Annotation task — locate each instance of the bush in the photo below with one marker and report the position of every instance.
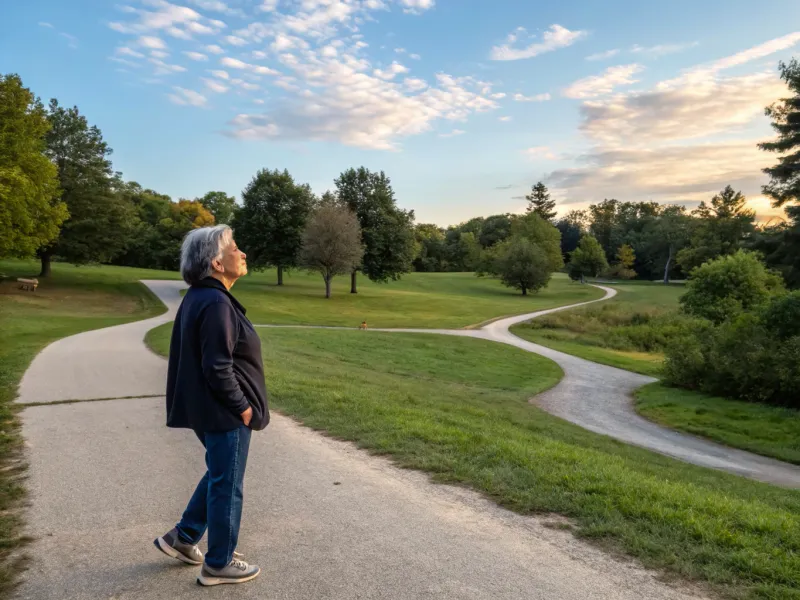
(754, 357)
(723, 288)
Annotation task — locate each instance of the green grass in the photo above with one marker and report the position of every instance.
(760, 428)
(442, 300)
(73, 300)
(627, 332)
(458, 409)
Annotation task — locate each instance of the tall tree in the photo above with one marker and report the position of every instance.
(718, 229)
(331, 242)
(31, 210)
(220, 205)
(542, 233)
(495, 229)
(572, 227)
(100, 222)
(540, 203)
(386, 230)
(784, 184)
(605, 226)
(668, 234)
(588, 259)
(270, 223)
(431, 254)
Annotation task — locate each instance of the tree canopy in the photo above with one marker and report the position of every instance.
(539, 202)
(220, 205)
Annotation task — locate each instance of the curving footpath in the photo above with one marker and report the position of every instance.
(322, 518)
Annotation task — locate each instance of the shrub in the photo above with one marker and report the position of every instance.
(723, 288)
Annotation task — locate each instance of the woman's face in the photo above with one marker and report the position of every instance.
(233, 263)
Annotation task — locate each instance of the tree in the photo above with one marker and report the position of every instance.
(623, 268)
(495, 229)
(718, 229)
(100, 224)
(220, 205)
(784, 184)
(539, 202)
(605, 227)
(542, 233)
(431, 248)
(666, 235)
(386, 230)
(331, 242)
(588, 259)
(572, 227)
(272, 218)
(521, 264)
(727, 286)
(31, 210)
(464, 253)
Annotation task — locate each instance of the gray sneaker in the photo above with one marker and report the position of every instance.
(236, 571)
(171, 545)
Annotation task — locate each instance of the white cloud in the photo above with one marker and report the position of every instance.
(754, 53)
(124, 61)
(177, 21)
(46, 24)
(196, 56)
(603, 55)
(538, 152)
(453, 133)
(212, 5)
(163, 68)
(499, 95)
(680, 110)
(258, 101)
(215, 86)
(245, 85)
(504, 119)
(329, 51)
(159, 54)
(400, 50)
(235, 40)
(235, 63)
(414, 56)
(662, 49)
(179, 33)
(269, 5)
(214, 49)
(598, 85)
(125, 51)
(415, 84)
(393, 71)
(555, 37)
(417, 6)
(536, 98)
(220, 74)
(150, 41)
(187, 97)
(258, 54)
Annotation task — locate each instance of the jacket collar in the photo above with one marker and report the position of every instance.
(211, 282)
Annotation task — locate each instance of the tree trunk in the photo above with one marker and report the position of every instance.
(353, 289)
(524, 291)
(327, 287)
(666, 268)
(280, 275)
(583, 279)
(45, 256)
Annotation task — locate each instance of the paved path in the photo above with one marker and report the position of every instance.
(107, 477)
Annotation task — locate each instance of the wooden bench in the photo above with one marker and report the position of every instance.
(28, 284)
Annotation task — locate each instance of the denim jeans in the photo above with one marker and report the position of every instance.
(217, 502)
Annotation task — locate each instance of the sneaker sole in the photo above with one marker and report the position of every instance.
(170, 551)
(209, 581)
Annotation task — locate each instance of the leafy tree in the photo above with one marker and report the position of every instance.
(386, 230)
(588, 259)
(431, 255)
(31, 210)
(520, 264)
(542, 233)
(623, 268)
(605, 227)
(572, 227)
(495, 229)
(272, 218)
(728, 286)
(220, 205)
(331, 242)
(100, 224)
(539, 202)
(718, 229)
(665, 236)
(464, 254)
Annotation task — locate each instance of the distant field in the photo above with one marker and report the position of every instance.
(442, 300)
(607, 332)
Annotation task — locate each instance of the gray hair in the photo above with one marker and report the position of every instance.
(200, 247)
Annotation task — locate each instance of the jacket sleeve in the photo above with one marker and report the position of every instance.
(218, 334)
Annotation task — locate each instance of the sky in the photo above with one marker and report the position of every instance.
(465, 104)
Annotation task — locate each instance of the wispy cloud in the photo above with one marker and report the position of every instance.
(662, 49)
(552, 39)
(453, 133)
(598, 85)
(603, 55)
(46, 24)
(187, 97)
(505, 119)
(539, 152)
(536, 98)
(196, 55)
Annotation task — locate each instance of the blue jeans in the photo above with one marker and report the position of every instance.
(217, 502)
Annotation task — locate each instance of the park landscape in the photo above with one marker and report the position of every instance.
(586, 403)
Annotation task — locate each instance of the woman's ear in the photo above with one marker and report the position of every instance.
(216, 264)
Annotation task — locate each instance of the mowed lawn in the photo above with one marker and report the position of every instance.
(458, 408)
(71, 301)
(427, 300)
(588, 331)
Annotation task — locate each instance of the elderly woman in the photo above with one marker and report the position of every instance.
(215, 386)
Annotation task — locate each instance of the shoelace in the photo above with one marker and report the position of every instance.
(239, 564)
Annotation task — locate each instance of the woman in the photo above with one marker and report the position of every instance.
(215, 386)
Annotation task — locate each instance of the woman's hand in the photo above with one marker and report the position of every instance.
(247, 415)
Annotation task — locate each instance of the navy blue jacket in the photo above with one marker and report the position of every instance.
(215, 369)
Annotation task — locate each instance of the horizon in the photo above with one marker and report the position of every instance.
(620, 101)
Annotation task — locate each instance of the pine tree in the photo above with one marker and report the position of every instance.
(539, 202)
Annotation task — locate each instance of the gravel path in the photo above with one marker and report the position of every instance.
(324, 519)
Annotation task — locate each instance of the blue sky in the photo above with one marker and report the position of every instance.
(464, 103)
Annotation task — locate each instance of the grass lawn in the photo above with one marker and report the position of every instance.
(602, 332)
(71, 301)
(457, 408)
(760, 428)
(445, 300)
